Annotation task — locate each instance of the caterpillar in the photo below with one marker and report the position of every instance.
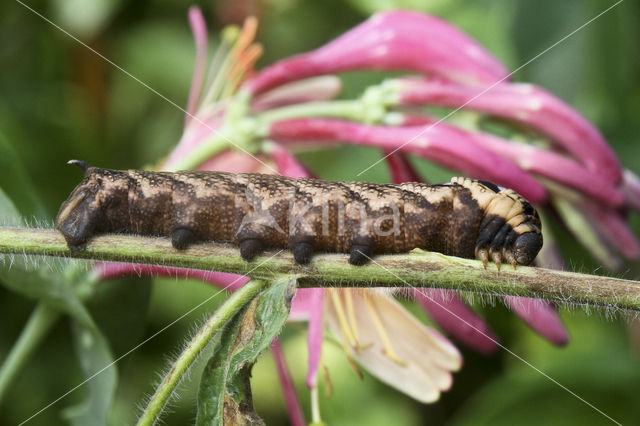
(466, 218)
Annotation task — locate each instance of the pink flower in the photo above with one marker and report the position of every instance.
(526, 104)
(396, 40)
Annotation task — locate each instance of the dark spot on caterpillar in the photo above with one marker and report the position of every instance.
(465, 217)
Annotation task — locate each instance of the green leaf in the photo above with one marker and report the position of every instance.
(15, 181)
(225, 390)
(120, 308)
(96, 362)
(9, 215)
(36, 279)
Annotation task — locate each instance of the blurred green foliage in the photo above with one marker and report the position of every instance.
(59, 100)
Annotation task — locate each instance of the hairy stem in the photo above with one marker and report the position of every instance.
(330, 270)
(42, 319)
(229, 308)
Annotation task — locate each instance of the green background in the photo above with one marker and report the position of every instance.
(58, 101)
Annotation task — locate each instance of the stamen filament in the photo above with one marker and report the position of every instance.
(328, 390)
(388, 348)
(247, 35)
(351, 315)
(219, 66)
(239, 69)
(344, 325)
(348, 341)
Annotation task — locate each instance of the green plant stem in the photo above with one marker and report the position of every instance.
(42, 319)
(229, 308)
(217, 143)
(330, 270)
(347, 109)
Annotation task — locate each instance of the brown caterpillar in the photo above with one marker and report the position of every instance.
(465, 218)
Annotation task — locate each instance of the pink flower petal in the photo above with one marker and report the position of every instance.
(199, 129)
(541, 317)
(296, 418)
(400, 168)
(457, 319)
(394, 40)
(301, 304)
(321, 88)
(286, 163)
(527, 104)
(574, 217)
(234, 161)
(550, 256)
(613, 228)
(555, 167)
(316, 332)
(631, 189)
(199, 29)
(443, 144)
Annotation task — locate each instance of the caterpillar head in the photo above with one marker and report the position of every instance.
(526, 247)
(83, 213)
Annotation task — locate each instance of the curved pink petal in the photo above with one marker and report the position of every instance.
(555, 167)
(443, 144)
(613, 228)
(457, 319)
(200, 128)
(631, 189)
(541, 317)
(296, 418)
(199, 30)
(394, 40)
(550, 256)
(527, 104)
(321, 88)
(315, 334)
(286, 163)
(234, 161)
(400, 168)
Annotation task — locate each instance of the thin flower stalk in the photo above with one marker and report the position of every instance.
(296, 418)
(199, 30)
